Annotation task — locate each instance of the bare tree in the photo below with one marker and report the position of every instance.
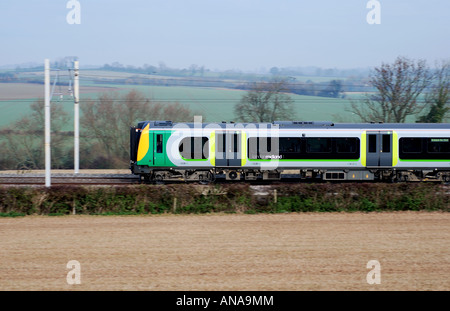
(23, 143)
(107, 120)
(265, 102)
(438, 99)
(398, 87)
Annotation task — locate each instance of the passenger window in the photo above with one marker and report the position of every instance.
(411, 145)
(260, 147)
(264, 144)
(290, 144)
(220, 143)
(372, 143)
(386, 147)
(253, 147)
(159, 143)
(438, 145)
(318, 145)
(346, 145)
(194, 148)
(235, 143)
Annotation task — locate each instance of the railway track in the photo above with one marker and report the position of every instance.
(117, 180)
(72, 179)
(21, 180)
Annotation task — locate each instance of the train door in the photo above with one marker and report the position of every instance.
(159, 146)
(228, 148)
(379, 149)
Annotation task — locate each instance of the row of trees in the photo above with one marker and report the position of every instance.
(161, 69)
(402, 89)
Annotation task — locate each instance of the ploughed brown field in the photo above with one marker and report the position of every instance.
(293, 252)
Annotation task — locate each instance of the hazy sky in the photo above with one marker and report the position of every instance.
(225, 34)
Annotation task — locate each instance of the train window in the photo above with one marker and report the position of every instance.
(290, 144)
(220, 143)
(298, 148)
(235, 143)
(372, 143)
(318, 145)
(194, 148)
(438, 145)
(261, 147)
(386, 143)
(411, 145)
(346, 145)
(159, 143)
(252, 148)
(264, 144)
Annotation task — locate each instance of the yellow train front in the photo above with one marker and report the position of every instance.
(203, 152)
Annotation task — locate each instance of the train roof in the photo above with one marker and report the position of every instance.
(301, 125)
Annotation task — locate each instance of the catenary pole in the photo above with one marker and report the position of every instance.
(76, 88)
(47, 123)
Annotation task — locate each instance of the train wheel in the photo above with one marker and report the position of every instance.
(159, 179)
(146, 178)
(233, 175)
(206, 178)
(395, 179)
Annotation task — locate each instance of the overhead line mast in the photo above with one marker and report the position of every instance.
(47, 123)
(76, 87)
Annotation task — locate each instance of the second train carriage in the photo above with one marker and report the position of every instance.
(163, 150)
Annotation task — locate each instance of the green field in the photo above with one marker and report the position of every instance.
(214, 104)
(16, 98)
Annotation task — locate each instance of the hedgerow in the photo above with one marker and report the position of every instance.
(227, 198)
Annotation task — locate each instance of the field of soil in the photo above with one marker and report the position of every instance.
(273, 252)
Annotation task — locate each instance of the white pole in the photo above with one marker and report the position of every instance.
(47, 124)
(76, 87)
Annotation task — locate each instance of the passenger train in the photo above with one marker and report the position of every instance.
(325, 151)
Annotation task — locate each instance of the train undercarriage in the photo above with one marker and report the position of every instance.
(226, 174)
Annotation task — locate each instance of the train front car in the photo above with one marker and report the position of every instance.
(166, 151)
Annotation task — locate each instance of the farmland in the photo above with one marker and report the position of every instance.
(15, 99)
(272, 252)
(215, 104)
